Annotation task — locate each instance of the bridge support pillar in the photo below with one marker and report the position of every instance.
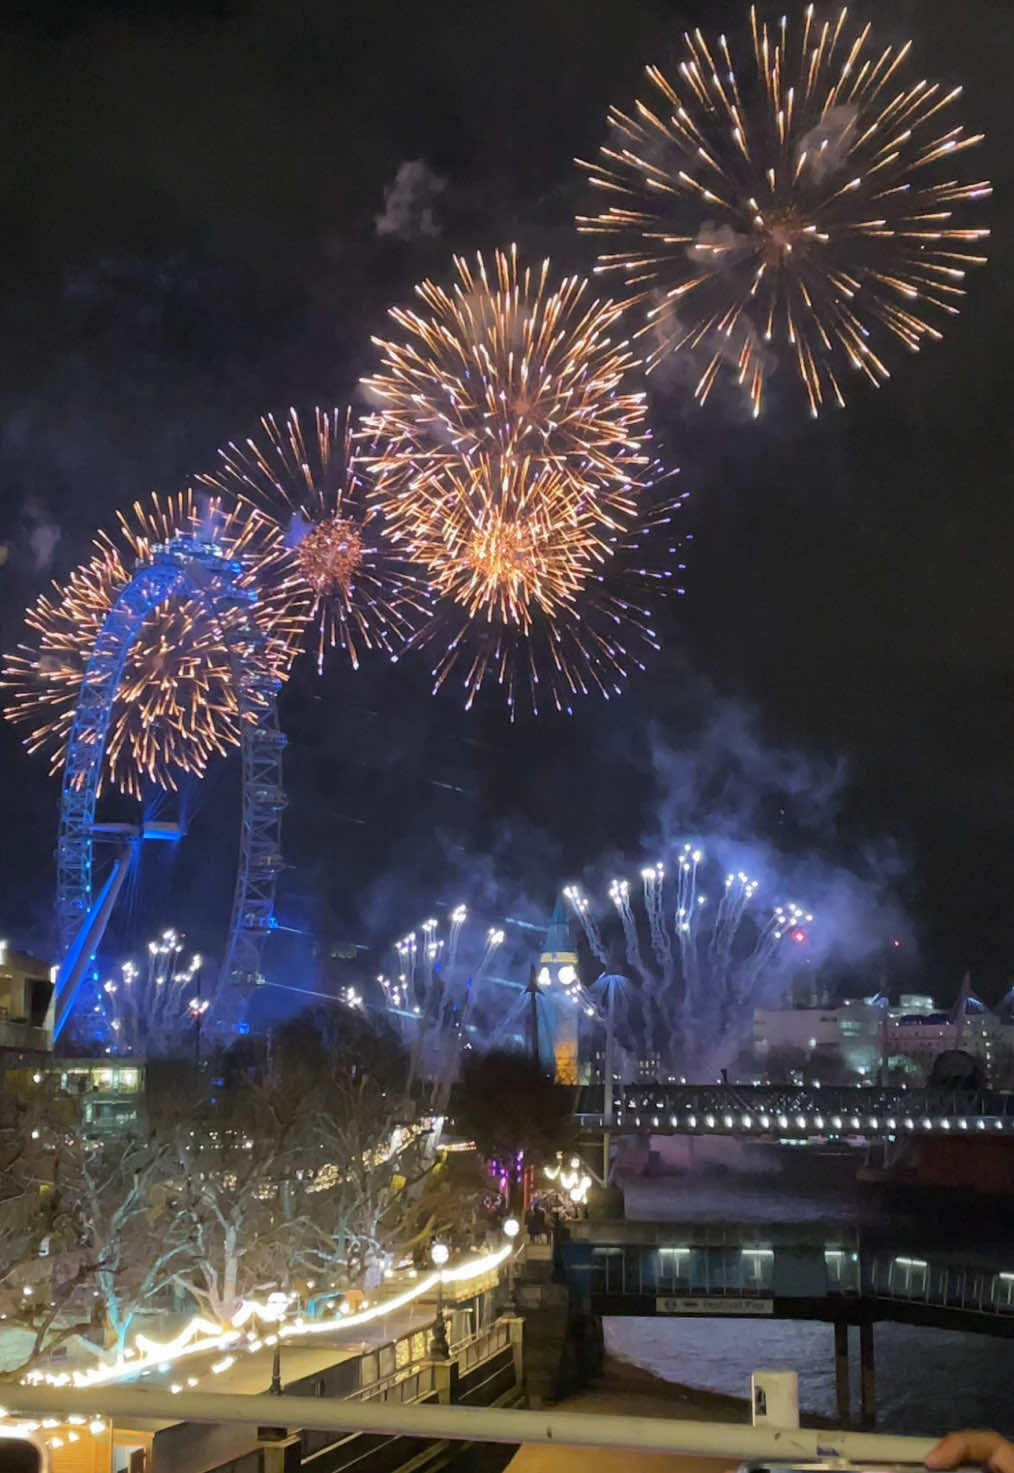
(445, 1380)
(517, 1332)
(841, 1372)
(868, 1385)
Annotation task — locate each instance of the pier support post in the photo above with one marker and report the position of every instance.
(517, 1333)
(868, 1385)
(841, 1372)
(445, 1380)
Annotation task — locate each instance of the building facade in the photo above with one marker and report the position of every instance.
(869, 1039)
(26, 1002)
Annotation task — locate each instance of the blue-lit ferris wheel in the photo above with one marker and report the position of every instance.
(185, 567)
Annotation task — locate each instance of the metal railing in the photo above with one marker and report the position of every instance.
(941, 1285)
(436, 1421)
(734, 1269)
(783, 1111)
(402, 1386)
(484, 1346)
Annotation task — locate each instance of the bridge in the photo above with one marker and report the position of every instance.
(785, 1112)
(807, 1271)
(785, 1271)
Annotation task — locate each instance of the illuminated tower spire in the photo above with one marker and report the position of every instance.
(558, 979)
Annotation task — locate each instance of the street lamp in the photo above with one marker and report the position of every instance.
(511, 1229)
(439, 1348)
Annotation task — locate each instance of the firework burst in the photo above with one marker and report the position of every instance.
(177, 703)
(310, 485)
(710, 955)
(512, 461)
(807, 203)
(149, 1010)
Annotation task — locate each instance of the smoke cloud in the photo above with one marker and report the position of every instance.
(41, 534)
(826, 146)
(409, 211)
(806, 901)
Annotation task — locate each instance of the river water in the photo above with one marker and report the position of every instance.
(928, 1381)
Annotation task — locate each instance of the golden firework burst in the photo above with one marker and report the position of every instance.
(311, 486)
(512, 461)
(177, 704)
(806, 204)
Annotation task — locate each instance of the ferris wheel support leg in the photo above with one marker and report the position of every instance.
(89, 937)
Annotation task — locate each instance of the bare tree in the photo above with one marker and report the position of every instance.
(126, 1210)
(361, 1153)
(236, 1154)
(46, 1271)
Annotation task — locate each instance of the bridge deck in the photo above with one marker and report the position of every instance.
(790, 1112)
(788, 1270)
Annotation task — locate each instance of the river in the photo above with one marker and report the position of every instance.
(928, 1381)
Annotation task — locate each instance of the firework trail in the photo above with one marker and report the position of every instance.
(310, 485)
(178, 703)
(579, 904)
(433, 943)
(807, 204)
(406, 950)
(458, 918)
(715, 963)
(619, 894)
(652, 879)
(513, 466)
(494, 940)
(150, 1010)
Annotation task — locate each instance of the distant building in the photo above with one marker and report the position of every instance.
(110, 1092)
(26, 997)
(851, 1033)
(921, 1034)
(869, 1037)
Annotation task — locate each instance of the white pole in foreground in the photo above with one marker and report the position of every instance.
(733, 1443)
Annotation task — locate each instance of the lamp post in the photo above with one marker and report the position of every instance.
(511, 1229)
(197, 1007)
(439, 1348)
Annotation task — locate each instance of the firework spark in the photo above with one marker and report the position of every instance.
(805, 204)
(311, 486)
(512, 462)
(150, 1010)
(711, 961)
(177, 703)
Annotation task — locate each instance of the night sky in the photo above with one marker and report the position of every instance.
(191, 198)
